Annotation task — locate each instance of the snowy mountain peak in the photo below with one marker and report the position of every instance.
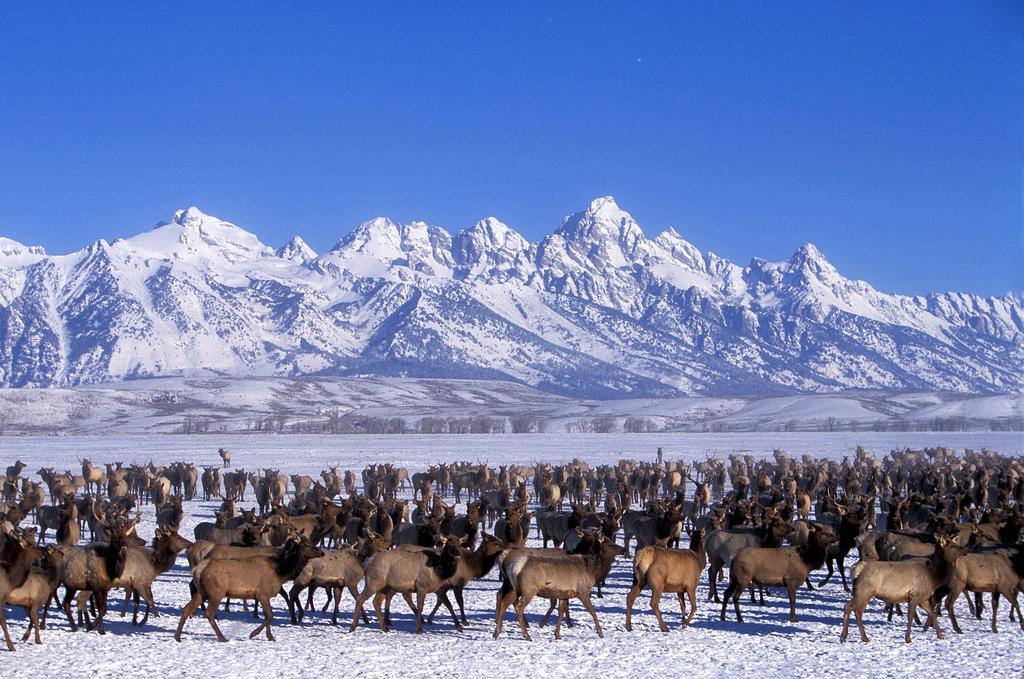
(296, 250)
(604, 233)
(191, 216)
(13, 253)
(809, 259)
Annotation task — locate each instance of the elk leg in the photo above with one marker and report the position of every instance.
(520, 606)
(911, 610)
(360, 600)
(437, 605)
(420, 596)
(552, 604)
(828, 562)
(268, 615)
(147, 593)
(7, 633)
(630, 600)
(692, 593)
(792, 602)
(336, 592)
(69, 594)
(725, 599)
(127, 598)
(995, 607)
(101, 609)
(842, 573)
(297, 611)
(954, 594)
(506, 596)
(448, 604)
(187, 612)
(33, 614)
(378, 600)
(933, 616)
(1014, 607)
(462, 605)
(563, 606)
(656, 607)
(211, 616)
(585, 598)
(846, 621)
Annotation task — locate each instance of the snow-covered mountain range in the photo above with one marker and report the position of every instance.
(596, 309)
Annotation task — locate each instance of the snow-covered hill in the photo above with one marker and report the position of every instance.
(596, 309)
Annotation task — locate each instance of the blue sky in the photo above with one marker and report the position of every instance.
(889, 134)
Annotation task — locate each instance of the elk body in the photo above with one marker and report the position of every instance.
(984, 573)
(787, 566)
(723, 545)
(664, 570)
(912, 582)
(254, 577)
(37, 589)
(554, 577)
(94, 568)
(405, 571)
(17, 554)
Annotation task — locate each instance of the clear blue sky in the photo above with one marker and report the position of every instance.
(889, 134)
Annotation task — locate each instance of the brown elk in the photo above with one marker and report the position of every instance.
(254, 577)
(17, 554)
(675, 571)
(94, 568)
(405, 571)
(473, 565)
(788, 566)
(984, 572)
(225, 456)
(555, 577)
(913, 582)
(37, 589)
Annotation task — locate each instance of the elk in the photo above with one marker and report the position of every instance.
(225, 456)
(722, 546)
(336, 569)
(787, 566)
(526, 576)
(17, 553)
(141, 569)
(422, 571)
(211, 483)
(171, 514)
(913, 582)
(676, 571)
(94, 477)
(554, 525)
(37, 589)
(94, 568)
(514, 528)
(254, 577)
(658, 529)
(984, 572)
(473, 565)
(850, 526)
(14, 471)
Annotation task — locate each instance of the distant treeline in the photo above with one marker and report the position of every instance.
(337, 422)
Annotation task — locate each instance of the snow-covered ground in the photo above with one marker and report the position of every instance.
(765, 644)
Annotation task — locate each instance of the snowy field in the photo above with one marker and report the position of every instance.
(765, 643)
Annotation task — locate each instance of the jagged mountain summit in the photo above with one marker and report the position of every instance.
(595, 309)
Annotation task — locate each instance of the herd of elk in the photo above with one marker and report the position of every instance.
(928, 526)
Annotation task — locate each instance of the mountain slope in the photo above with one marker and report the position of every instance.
(594, 309)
